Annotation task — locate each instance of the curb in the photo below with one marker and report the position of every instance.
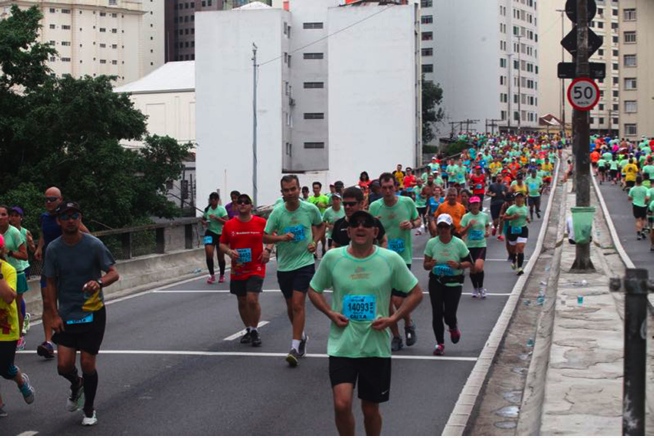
(458, 420)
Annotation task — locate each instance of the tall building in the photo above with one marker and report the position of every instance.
(338, 92)
(101, 37)
(484, 54)
(180, 24)
(636, 35)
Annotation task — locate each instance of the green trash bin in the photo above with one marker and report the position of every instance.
(582, 223)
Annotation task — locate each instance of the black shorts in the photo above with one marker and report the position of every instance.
(514, 236)
(614, 173)
(495, 210)
(399, 293)
(534, 200)
(601, 169)
(298, 280)
(84, 337)
(211, 238)
(630, 183)
(593, 164)
(241, 287)
(639, 212)
(372, 373)
(422, 211)
(478, 253)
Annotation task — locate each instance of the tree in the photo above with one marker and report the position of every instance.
(432, 96)
(65, 132)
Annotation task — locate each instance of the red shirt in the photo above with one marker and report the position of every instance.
(478, 184)
(409, 181)
(247, 239)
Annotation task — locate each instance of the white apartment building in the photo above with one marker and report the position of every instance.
(124, 38)
(636, 33)
(338, 92)
(484, 54)
(553, 26)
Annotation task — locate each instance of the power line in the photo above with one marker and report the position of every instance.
(331, 34)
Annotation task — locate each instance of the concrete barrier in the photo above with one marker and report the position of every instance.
(136, 275)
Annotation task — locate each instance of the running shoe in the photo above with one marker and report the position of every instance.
(211, 279)
(513, 266)
(20, 346)
(494, 230)
(221, 279)
(76, 398)
(439, 350)
(638, 236)
(26, 323)
(538, 214)
(475, 292)
(455, 335)
(483, 292)
(247, 337)
(3, 413)
(90, 421)
(46, 350)
(520, 271)
(410, 333)
(256, 339)
(396, 343)
(500, 238)
(302, 349)
(292, 358)
(27, 390)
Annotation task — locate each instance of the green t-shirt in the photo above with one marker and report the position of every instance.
(601, 163)
(399, 240)
(452, 170)
(533, 186)
(23, 232)
(608, 156)
(476, 235)
(461, 175)
(623, 164)
(294, 254)
(321, 201)
(420, 201)
(362, 292)
(213, 225)
(330, 216)
(13, 240)
(649, 170)
(522, 213)
(614, 165)
(638, 195)
(650, 209)
(455, 250)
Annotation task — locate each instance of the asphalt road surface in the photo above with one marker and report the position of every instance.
(171, 364)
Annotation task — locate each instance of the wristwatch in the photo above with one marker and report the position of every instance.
(100, 283)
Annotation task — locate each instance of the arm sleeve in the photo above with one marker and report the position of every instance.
(271, 224)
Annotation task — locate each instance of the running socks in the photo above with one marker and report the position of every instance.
(210, 265)
(90, 388)
(521, 259)
(71, 376)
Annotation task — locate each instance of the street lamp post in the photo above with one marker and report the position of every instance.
(562, 11)
(519, 85)
(508, 128)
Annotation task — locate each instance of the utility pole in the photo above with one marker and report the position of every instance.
(254, 124)
(519, 84)
(508, 128)
(582, 137)
(563, 130)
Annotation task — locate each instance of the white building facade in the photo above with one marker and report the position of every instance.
(122, 38)
(484, 54)
(338, 92)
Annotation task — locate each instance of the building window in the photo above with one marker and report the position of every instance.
(113, 2)
(427, 36)
(103, 45)
(630, 129)
(314, 85)
(65, 27)
(102, 29)
(630, 106)
(103, 14)
(65, 59)
(427, 68)
(65, 43)
(630, 37)
(427, 51)
(114, 62)
(114, 30)
(503, 62)
(103, 61)
(630, 84)
(314, 116)
(52, 26)
(426, 3)
(53, 10)
(312, 25)
(427, 19)
(630, 60)
(314, 145)
(629, 15)
(65, 11)
(314, 55)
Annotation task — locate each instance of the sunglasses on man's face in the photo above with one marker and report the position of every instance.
(51, 198)
(66, 216)
(362, 223)
(350, 203)
(243, 202)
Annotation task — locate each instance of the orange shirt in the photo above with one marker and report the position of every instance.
(594, 157)
(456, 211)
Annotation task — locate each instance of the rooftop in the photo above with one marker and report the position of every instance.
(172, 76)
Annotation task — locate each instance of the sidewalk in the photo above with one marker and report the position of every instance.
(583, 381)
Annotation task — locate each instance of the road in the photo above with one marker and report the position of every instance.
(171, 364)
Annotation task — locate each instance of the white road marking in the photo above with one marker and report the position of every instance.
(199, 291)
(242, 332)
(28, 433)
(487, 260)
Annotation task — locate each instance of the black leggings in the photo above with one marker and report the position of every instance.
(444, 304)
(7, 354)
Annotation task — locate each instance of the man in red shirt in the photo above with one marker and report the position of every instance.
(242, 240)
(478, 183)
(409, 179)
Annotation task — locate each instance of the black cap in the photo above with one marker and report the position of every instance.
(516, 194)
(66, 206)
(244, 196)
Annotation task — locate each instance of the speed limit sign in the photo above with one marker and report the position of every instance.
(583, 94)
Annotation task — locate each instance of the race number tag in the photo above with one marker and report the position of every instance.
(208, 240)
(443, 270)
(360, 307)
(244, 255)
(475, 235)
(84, 320)
(478, 186)
(516, 230)
(396, 245)
(298, 232)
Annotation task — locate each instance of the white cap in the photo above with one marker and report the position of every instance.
(444, 218)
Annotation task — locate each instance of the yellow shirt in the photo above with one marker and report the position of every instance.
(547, 167)
(630, 172)
(8, 312)
(495, 167)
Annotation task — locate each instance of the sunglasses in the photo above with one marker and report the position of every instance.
(51, 198)
(243, 202)
(66, 216)
(362, 223)
(350, 203)
(442, 226)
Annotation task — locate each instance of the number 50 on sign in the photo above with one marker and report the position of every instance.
(583, 94)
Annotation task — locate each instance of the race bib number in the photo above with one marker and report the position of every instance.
(360, 307)
(396, 245)
(208, 240)
(84, 320)
(475, 235)
(533, 187)
(298, 232)
(244, 255)
(443, 270)
(478, 186)
(516, 230)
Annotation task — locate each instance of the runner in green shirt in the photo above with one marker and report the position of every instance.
(214, 218)
(361, 276)
(602, 165)
(650, 222)
(518, 218)
(475, 228)
(322, 202)
(421, 203)
(295, 227)
(331, 215)
(534, 186)
(639, 196)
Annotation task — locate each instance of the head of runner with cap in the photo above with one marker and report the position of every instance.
(444, 227)
(475, 204)
(362, 230)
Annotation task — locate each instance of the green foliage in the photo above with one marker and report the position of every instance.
(456, 148)
(30, 198)
(65, 132)
(432, 96)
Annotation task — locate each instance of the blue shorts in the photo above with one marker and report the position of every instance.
(21, 283)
